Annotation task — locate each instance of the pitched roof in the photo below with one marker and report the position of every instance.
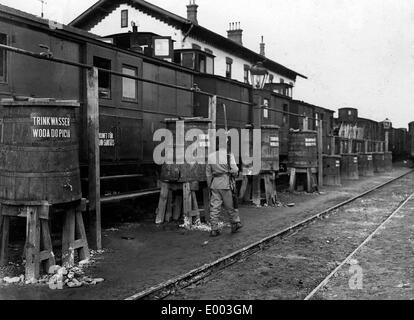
(95, 14)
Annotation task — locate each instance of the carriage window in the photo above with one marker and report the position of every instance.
(187, 60)
(3, 59)
(124, 19)
(104, 78)
(129, 86)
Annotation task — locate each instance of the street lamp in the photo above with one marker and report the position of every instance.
(259, 75)
(387, 126)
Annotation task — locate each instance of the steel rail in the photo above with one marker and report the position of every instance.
(164, 289)
(325, 281)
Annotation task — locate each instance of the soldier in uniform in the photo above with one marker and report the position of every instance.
(220, 169)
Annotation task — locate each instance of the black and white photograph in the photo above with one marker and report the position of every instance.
(218, 152)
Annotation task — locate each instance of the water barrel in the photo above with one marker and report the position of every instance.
(366, 164)
(349, 166)
(388, 161)
(303, 150)
(181, 170)
(331, 170)
(270, 149)
(379, 162)
(39, 152)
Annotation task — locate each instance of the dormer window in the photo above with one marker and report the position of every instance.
(201, 61)
(124, 19)
(229, 64)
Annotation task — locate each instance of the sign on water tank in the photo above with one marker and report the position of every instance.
(338, 163)
(50, 126)
(369, 158)
(106, 139)
(355, 159)
(203, 141)
(310, 142)
(274, 141)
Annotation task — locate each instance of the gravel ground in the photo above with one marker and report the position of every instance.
(293, 266)
(140, 254)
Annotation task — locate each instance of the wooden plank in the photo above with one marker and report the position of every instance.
(128, 196)
(80, 229)
(320, 153)
(169, 210)
(47, 245)
(162, 203)
(178, 204)
(206, 203)
(333, 145)
(186, 199)
(4, 240)
(93, 158)
(243, 187)
(309, 180)
(195, 205)
(68, 238)
(33, 244)
(256, 192)
(292, 180)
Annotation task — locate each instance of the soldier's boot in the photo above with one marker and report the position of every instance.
(235, 227)
(214, 233)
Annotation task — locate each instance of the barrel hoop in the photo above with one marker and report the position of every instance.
(70, 147)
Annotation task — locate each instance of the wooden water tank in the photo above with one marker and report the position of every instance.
(39, 152)
(379, 162)
(331, 170)
(365, 164)
(303, 150)
(270, 148)
(187, 172)
(349, 167)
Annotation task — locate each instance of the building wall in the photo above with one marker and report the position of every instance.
(112, 25)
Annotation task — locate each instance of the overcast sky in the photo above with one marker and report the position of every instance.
(356, 53)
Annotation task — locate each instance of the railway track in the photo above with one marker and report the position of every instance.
(176, 286)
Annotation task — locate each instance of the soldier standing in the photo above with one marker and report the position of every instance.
(220, 170)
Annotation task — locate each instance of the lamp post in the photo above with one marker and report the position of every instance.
(387, 126)
(259, 75)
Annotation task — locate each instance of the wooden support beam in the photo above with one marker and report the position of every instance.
(162, 203)
(92, 115)
(333, 145)
(33, 244)
(320, 152)
(292, 180)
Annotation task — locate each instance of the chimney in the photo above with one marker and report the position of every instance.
(262, 48)
(235, 33)
(192, 12)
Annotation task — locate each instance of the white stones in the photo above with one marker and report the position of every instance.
(13, 280)
(53, 269)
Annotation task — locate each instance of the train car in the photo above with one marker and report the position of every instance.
(313, 114)
(411, 137)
